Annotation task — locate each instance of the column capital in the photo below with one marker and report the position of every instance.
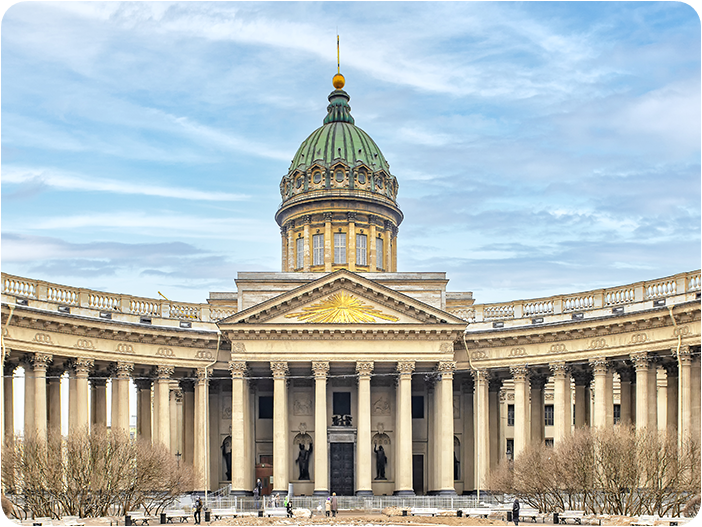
(625, 374)
(238, 368)
(163, 372)
(641, 360)
(365, 368)
(307, 218)
(582, 378)
(559, 369)
(98, 381)
(351, 217)
(328, 217)
(600, 365)
(537, 381)
(83, 365)
(405, 367)
(320, 370)
(279, 369)
(519, 372)
(446, 368)
(27, 362)
(42, 360)
(480, 375)
(186, 385)
(9, 369)
(123, 370)
(684, 355)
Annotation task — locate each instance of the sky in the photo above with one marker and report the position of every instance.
(540, 148)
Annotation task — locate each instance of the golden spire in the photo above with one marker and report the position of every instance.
(338, 81)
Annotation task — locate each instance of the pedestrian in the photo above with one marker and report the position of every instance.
(288, 506)
(327, 506)
(334, 504)
(276, 500)
(198, 509)
(515, 511)
(256, 496)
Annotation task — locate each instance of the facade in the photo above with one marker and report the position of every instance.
(341, 374)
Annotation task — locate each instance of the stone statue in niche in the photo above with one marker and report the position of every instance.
(380, 461)
(303, 461)
(227, 455)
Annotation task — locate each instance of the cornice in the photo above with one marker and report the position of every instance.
(341, 332)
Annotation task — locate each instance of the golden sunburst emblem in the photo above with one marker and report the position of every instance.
(341, 308)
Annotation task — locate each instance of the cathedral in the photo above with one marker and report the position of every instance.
(341, 374)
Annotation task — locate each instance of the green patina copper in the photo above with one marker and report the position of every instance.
(339, 139)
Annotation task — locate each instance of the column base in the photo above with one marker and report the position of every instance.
(447, 492)
(403, 493)
(240, 493)
(364, 493)
(320, 493)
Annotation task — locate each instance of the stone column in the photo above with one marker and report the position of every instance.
(388, 249)
(284, 249)
(188, 388)
(625, 378)
(482, 428)
(163, 379)
(41, 363)
(8, 401)
(562, 417)
(403, 464)
(364, 448)
(653, 395)
(496, 435)
(280, 427)
(662, 400)
(684, 394)
(239, 425)
(306, 255)
(468, 446)
(328, 251)
(174, 405)
(446, 369)
(82, 366)
(351, 256)
(200, 444)
(537, 408)
(321, 456)
(433, 436)
(582, 398)
(98, 392)
(600, 369)
(121, 383)
(143, 386)
(520, 377)
(641, 363)
(671, 371)
(29, 394)
(372, 234)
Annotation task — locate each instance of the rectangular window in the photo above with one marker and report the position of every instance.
(300, 242)
(265, 407)
(318, 249)
(417, 407)
(379, 253)
(361, 252)
(548, 442)
(548, 415)
(617, 413)
(339, 248)
(510, 449)
(510, 415)
(342, 403)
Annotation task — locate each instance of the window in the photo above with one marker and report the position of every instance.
(300, 242)
(342, 403)
(379, 253)
(548, 442)
(318, 249)
(510, 449)
(417, 407)
(617, 413)
(339, 248)
(510, 415)
(361, 249)
(265, 407)
(548, 415)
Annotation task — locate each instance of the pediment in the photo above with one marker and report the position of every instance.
(342, 298)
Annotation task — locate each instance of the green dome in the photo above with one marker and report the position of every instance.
(339, 139)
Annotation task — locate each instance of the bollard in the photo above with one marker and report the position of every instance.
(509, 516)
(555, 518)
(404, 512)
(207, 516)
(163, 518)
(127, 520)
(459, 513)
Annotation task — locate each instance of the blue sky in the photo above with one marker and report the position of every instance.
(541, 148)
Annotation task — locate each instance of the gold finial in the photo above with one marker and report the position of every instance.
(338, 81)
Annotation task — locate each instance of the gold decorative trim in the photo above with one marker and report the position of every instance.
(341, 308)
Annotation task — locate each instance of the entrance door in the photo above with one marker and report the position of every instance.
(341, 468)
(418, 473)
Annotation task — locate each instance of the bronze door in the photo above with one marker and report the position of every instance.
(341, 468)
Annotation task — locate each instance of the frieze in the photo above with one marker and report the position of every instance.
(596, 344)
(479, 354)
(85, 344)
(517, 352)
(639, 338)
(204, 354)
(123, 347)
(681, 331)
(558, 348)
(238, 347)
(446, 347)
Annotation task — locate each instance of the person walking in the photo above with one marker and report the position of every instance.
(256, 496)
(327, 506)
(334, 504)
(515, 511)
(288, 506)
(198, 510)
